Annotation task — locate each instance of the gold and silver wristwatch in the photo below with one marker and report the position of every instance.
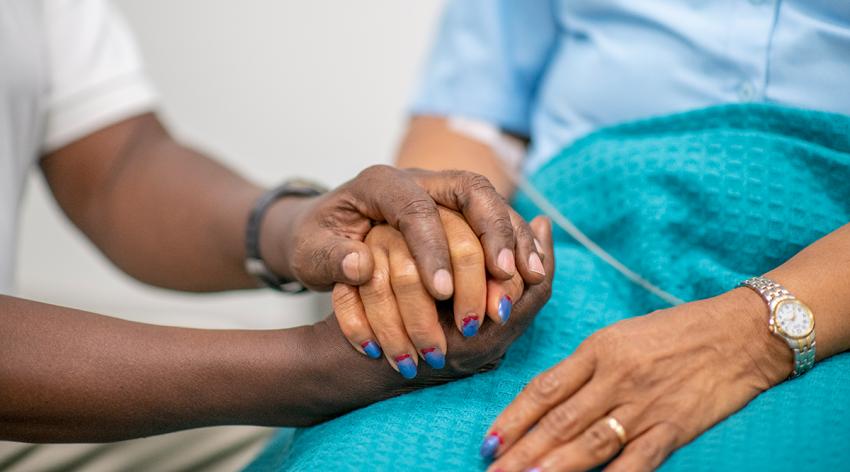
(790, 319)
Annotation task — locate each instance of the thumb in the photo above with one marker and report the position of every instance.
(337, 260)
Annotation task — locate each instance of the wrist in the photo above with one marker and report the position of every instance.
(772, 359)
(277, 236)
(348, 379)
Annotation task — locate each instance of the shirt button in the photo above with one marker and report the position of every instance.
(746, 91)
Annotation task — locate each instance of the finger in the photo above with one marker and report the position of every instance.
(417, 308)
(593, 447)
(338, 259)
(541, 229)
(529, 263)
(501, 296)
(481, 205)
(558, 426)
(534, 297)
(647, 451)
(410, 209)
(385, 319)
(351, 316)
(469, 271)
(545, 391)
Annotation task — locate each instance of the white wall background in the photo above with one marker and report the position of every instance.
(275, 88)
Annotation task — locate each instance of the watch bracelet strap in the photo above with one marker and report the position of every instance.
(254, 262)
(773, 293)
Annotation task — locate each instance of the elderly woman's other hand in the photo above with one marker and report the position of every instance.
(394, 314)
(646, 385)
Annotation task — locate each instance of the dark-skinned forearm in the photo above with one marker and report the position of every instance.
(164, 213)
(73, 376)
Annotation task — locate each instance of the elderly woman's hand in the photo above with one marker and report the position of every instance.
(664, 378)
(394, 315)
(348, 379)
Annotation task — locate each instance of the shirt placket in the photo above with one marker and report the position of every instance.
(752, 26)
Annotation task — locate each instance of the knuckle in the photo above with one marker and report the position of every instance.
(502, 227)
(525, 236)
(345, 298)
(544, 387)
(375, 172)
(352, 327)
(650, 451)
(472, 185)
(558, 422)
(673, 434)
(418, 208)
(405, 277)
(599, 441)
(380, 280)
(467, 252)
(378, 289)
(477, 183)
(420, 331)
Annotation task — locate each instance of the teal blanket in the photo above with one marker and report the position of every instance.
(695, 202)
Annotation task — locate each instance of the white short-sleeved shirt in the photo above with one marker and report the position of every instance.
(67, 69)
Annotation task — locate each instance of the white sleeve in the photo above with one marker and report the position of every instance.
(96, 74)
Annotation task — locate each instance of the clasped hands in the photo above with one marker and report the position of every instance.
(394, 315)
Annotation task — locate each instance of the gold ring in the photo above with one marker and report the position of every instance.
(618, 428)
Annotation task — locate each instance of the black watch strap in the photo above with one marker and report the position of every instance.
(254, 263)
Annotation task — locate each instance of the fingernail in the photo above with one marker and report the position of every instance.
(406, 366)
(351, 266)
(506, 261)
(470, 325)
(505, 307)
(443, 282)
(371, 349)
(536, 469)
(434, 357)
(490, 445)
(535, 264)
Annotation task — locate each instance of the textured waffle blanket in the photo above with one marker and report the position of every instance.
(695, 202)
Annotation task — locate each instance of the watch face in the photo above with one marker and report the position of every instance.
(794, 319)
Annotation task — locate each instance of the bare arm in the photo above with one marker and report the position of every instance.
(431, 144)
(72, 376)
(170, 216)
(819, 275)
(162, 212)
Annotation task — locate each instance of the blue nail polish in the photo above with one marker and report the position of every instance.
(536, 469)
(505, 307)
(406, 366)
(470, 326)
(434, 357)
(371, 349)
(490, 445)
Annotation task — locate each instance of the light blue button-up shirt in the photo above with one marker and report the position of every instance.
(555, 70)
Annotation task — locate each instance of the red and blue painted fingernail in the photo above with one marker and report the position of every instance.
(490, 445)
(371, 349)
(434, 357)
(470, 325)
(406, 366)
(506, 304)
